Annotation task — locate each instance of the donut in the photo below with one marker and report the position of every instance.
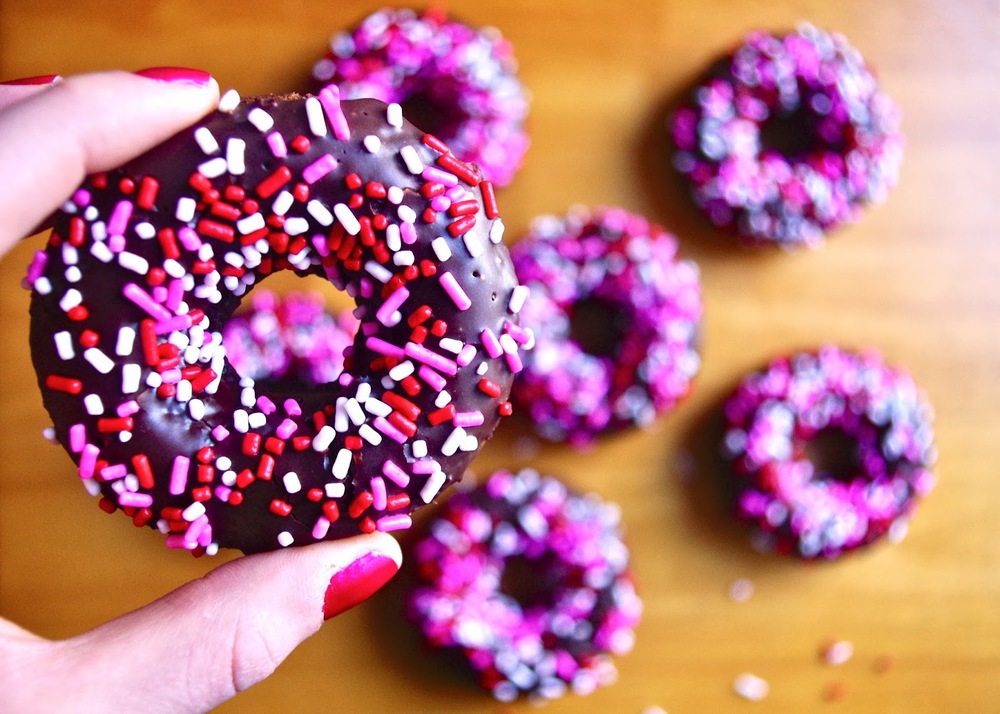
(292, 337)
(455, 81)
(578, 606)
(147, 263)
(788, 139)
(879, 450)
(615, 314)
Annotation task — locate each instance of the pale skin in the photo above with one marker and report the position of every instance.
(186, 652)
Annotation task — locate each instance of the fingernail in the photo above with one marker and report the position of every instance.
(177, 75)
(33, 81)
(357, 582)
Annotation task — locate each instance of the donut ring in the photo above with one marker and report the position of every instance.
(797, 508)
(845, 145)
(461, 82)
(583, 607)
(148, 262)
(630, 270)
(290, 337)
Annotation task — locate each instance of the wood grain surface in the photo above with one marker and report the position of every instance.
(917, 278)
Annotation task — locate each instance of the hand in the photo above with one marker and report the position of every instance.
(216, 636)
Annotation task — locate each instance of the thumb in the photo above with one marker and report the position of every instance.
(214, 637)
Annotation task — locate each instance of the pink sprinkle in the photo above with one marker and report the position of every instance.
(491, 343)
(391, 304)
(433, 359)
(81, 197)
(223, 492)
(179, 475)
(37, 267)
(172, 324)
(394, 473)
(455, 291)
(329, 97)
(276, 142)
(113, 472)
(384, 426)
(171, 376)
(127, 408)
(77, 438)
(432, 378)
(175, 294)
(196, 528)
(379, 496)
(220, 433)
(189, 239)
(466, 356)
(286, 429)
(376, 344)
(408, 233)
(515, 362)
(135, 500)
(292, 408)
(119, 219)
(436, 175)
(426, 466)
(466, 419)
(319, 168)
(321, 528)
(145, 301)
(116, 243)
(88, 461)
(179, 541)
(397, 522)
(265, 404)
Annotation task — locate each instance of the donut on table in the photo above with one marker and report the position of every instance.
(788, 138)
(455, 81)
(886, 446)
(147, 263)
(615, 314)
(291, 337)
(579, 606)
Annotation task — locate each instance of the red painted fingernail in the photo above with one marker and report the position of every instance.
(177, 75)
(357, 582)
(33, 81)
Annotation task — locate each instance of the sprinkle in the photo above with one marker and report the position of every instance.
(441, 249)
(319, 168)
(179, 475)
(260, 119)
(206, 140)
(372, 143)
(285, 539)
(394, 115)
(455, 291)
(64, 345)
(347, 218)
(396, 522)
(276, 142)
(432, 486)
(93, 405)
(329, 98)
(412, 161)
(235, 162)
(314, 115)
(342, 464)
(750, 686)
(229, 101)
(517, 297)
(422, 354)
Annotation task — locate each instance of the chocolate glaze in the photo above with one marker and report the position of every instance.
(163, 427)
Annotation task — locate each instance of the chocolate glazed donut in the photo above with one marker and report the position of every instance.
(147, 262)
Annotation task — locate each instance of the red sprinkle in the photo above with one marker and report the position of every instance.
(64, 384)
(279, 507)
(489, 200)
(360, 504)
(149, 187)
(269, 186)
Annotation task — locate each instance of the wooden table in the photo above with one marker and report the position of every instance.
(918, 278)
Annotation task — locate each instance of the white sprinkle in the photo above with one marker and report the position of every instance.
(347, 218)
(750, 686)
(364, 392)
(133, 262)
(324, 437)
(145, 230)
(73, 274)
(443, 399)
(366, 432)
(235, 161)
(248, 397)
(377, 407)
(193, 512)
(285, 539)
(42, 285)
(184, 391)
(154, 380)
(372, 143)
(282, 203)
(378, 271)
(473, 244)
(453, 441)
(395, 195)
(403, 257)
(186, 207)
(419, 448)
(131, 374)
(342, 464)
(241, 421)
(433, 485)
(450, 344)
(206, 140)
(196, 408)
(517, 297)
(229, 101)
(93, 404)
(260, 119)
(251, 223)
(401, 371)
(393, 238)
(314, 114)
(413, 163)
(406, 214)
(257, 420)
(98, 360)
(291, 482)
(469, 443)
(296, 225)
(394, 115)
(335, 490)
(441, 249)
(320, 212)
(70, 299)
(64, 345)
(213, 168)
(354, 412)
(99, 250)
(496, 231)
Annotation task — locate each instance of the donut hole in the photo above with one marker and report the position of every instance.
(797, 132)
(291, 335)
(834, 455)
(528, 581)
(433, 112)
(596, 325)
